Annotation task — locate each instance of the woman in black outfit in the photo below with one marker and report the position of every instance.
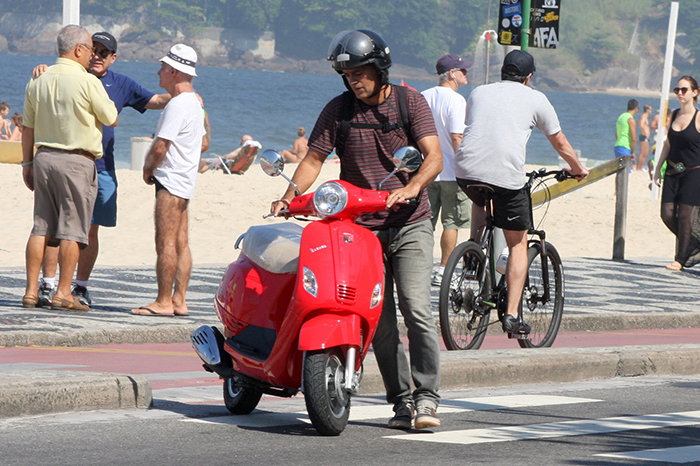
(680, 198)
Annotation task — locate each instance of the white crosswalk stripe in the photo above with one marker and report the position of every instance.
(676, 455)
(558, 429)
(362, 412)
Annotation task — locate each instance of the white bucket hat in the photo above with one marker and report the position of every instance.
(182, 58)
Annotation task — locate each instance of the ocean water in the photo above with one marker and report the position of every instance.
(270, 106)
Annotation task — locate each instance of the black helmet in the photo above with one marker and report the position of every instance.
(350, 49)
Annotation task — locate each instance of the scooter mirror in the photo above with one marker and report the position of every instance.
(271, 163)
(407, 159)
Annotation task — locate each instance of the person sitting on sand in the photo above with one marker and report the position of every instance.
(299, 149)
(16, 134)
(237, 161)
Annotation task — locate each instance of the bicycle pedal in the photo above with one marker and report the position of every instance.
(518, 336)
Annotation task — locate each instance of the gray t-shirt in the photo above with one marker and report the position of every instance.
(500, 118)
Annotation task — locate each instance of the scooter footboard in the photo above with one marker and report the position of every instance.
(328, 330)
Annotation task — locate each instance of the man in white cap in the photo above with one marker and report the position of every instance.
(448, 202)
(171, 165)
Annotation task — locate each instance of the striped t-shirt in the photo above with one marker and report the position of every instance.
(367, 158)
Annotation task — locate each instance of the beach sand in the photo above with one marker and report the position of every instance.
(579, 224)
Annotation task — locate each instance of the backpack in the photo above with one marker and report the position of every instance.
(345, 124)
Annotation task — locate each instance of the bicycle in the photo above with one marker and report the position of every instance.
(470, 288)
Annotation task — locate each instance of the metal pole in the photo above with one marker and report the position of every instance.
(621, 187)
(525, 31)
(665, 86)
(71, 12)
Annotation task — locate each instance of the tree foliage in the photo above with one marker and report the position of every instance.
(594, 34)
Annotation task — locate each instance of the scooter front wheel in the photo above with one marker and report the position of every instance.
(239, 399)
(327, 401)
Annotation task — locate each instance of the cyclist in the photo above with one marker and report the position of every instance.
(500, 118)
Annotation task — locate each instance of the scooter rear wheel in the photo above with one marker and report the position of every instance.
(238, 399)
(327, 401)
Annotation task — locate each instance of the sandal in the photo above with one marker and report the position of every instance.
(29, 300)
(60, 304)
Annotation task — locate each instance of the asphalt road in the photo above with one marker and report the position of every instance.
(620, 421)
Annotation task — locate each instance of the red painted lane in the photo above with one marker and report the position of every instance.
(144, 358)
(150, 358)
(617, 338)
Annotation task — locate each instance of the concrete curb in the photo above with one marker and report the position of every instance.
(164, 333)
(43, 392)
(180, 333)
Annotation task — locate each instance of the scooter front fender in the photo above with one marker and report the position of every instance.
(328, 330)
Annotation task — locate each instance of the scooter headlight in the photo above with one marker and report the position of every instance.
(330, 198)
(376, 295)
(309, 281)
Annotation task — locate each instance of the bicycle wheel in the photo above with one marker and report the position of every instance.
(463, 319)
(543, 316)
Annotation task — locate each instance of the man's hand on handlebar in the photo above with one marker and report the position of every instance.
(578, 174)
(401, 196)
(278, 206)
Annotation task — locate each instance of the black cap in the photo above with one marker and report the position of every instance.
(106, 39)
(519, 62)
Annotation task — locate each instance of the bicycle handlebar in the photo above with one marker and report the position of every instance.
(559, 175)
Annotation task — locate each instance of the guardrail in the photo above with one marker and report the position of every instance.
(620, 167)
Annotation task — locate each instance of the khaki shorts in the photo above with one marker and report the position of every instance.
(448, 199)
(65, 188)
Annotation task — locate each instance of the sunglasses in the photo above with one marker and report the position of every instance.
(680, 90)
(104, 53)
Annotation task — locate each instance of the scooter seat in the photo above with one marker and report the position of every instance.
(275, 248)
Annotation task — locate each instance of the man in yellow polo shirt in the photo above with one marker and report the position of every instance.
(64, 110)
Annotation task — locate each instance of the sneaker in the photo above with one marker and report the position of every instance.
(426, 417)
(437, 278)
(45, 295)
(511, 324)
(81, 293)
(403, 417)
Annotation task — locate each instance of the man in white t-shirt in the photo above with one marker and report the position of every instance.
(500, 118)
(171, 165)
(448, 108)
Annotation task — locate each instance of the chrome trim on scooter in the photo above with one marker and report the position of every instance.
(205, 345)
(350, 370)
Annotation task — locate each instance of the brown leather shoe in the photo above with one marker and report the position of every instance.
(29, 300)
(60, 304)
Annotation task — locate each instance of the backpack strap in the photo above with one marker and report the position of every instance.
(347, 113)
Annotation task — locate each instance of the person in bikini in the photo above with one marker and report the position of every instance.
(299, 149)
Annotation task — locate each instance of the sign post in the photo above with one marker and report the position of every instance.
(525, 31)
(529, 23)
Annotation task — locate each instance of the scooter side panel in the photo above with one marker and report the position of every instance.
(246, 290)
(328, 330)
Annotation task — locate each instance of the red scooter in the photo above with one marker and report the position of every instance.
(300, 305)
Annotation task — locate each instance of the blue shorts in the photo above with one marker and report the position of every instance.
(622, 151)
(105, 212)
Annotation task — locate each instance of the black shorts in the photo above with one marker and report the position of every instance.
(159, 187)
(511, 207)
(682, 188)
(643, 138)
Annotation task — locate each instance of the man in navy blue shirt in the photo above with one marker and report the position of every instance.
(124, 92)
